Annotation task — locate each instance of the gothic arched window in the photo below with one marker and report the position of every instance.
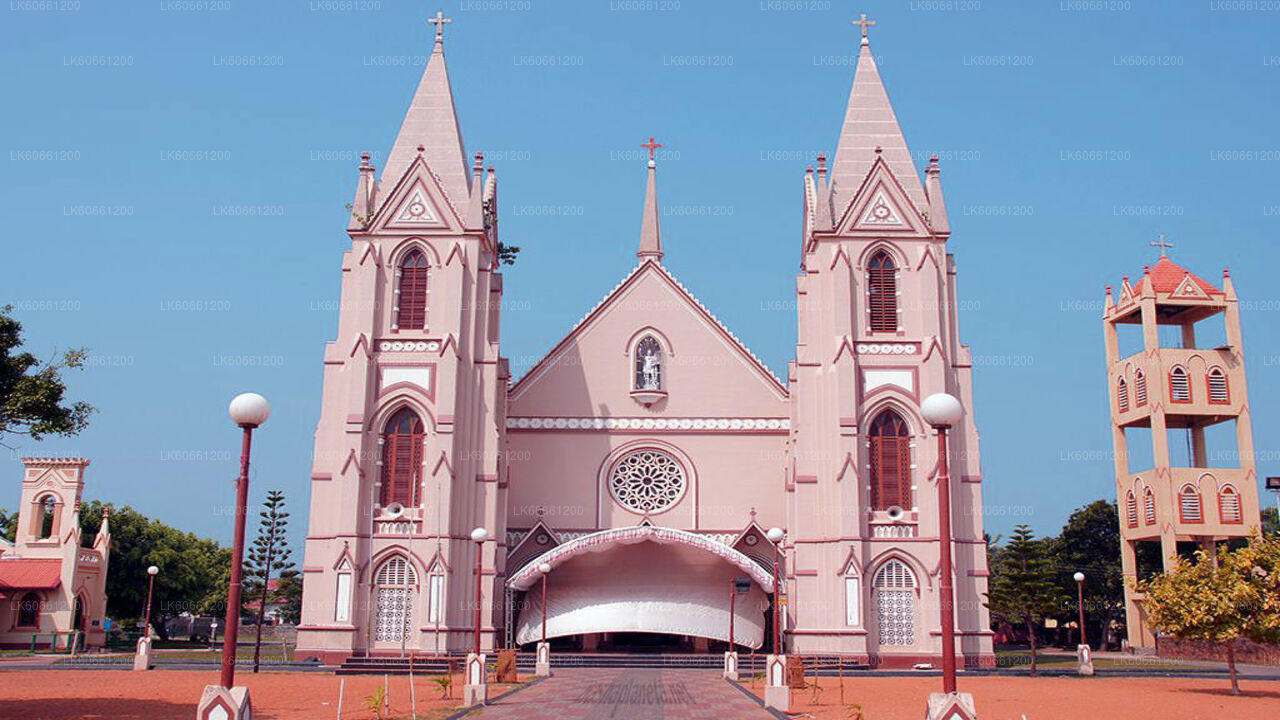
(882, 292)
(1229, 505)
(48, 513)
(1179, 385)
(890, 461)
(1122, 395)
(1189, 504)
(1149, 507)
(1139, 388)
(895, 595)
(411, 302)
(648, 364)
(1131, 509)
(402, 440)
(29, 611)
(394, 583)
(1219, 392)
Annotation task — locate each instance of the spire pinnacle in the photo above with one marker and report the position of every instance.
(865, 23)
(650, 234)
(439, 21)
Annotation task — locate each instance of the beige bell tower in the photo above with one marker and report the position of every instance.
(1178, 392)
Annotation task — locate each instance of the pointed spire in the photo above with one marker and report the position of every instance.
(1111, 303)
(650, 233)
(475, 207)
(362, 206)
(869, 122)
(937, 206)
(432, 122)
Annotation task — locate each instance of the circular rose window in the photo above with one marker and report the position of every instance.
(646, 481)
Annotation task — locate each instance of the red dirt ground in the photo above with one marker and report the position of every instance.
(1009, 698)
(173, 694)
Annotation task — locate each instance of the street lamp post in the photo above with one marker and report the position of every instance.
(248, 410)
(775, 536)
(1079, 577)
(479, 535)
(544, 569)
(942, 411)
(151, 583)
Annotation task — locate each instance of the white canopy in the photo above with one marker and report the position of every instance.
(643, 579)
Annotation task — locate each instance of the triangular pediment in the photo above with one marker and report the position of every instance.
(417, 204)
(1189, 290)
(881, 206)
(590, 373)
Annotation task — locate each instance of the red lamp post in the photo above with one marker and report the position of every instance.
(942, 411)
(1079, 578)
(544, 569)
(479, 535)
(775, 536)
(151, 583)
(248, 410)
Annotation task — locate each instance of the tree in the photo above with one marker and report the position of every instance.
(1022, 588)
(32, 393)
(270, 552)
(1090, 543)
(1236, 597)
(193, 570)
(8, 525)
(1270, 525)
(289, 595)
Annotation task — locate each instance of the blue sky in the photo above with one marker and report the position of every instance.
(175, 176)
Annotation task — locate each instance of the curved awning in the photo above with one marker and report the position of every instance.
(605, 539)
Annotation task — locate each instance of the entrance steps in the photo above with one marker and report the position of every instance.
(437, 664)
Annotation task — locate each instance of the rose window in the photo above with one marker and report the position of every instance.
(647, 481)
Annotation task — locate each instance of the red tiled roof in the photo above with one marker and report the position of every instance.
(30, 574)
(1167, 275)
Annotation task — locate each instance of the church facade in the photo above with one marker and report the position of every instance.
(646, 456)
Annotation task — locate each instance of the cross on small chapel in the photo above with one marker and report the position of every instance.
(651, 146)
(865, 23)
(1163, 245)
(439, 21)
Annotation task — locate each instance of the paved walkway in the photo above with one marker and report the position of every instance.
(628, 694)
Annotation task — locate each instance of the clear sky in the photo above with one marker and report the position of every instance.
(175, 175)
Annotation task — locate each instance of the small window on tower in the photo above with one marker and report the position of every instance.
(1122, 395)
(1149, 507)
(1131, 509)
(882, 293)
(1139, 388)
(890, 448)
(1219, 392)
(1229, 505)
(402, 440)
(411, 299)
(1189, 504)
(48, 512)
(1179, 386)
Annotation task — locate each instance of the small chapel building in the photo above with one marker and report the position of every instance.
(50, 586)
(645, 457)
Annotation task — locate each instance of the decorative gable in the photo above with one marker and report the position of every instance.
(416, 204)
(881, 205)
(881, 212)
(1188, 289)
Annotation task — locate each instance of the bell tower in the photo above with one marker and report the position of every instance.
(1178, 391)
(407, 457)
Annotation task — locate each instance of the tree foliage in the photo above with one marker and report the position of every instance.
(193, 570)
(1023, 590)
(32, 393)
(1238, 596)
(269, 553)
(1090, 543)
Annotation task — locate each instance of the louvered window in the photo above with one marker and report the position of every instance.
(1122, 395)
(402, 458)
(1219, 394)
(890, 462)
(1131, 509)
(1139, 389)
(1189, 504)
(1149, 507)
(882, 293)
(411, 302)
(1179, 386)
(1229, 505)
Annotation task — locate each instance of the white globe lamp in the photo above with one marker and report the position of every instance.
(941, 410)
(249, 410)
(775, 534)
(153, 570)
(1079, 576)
(544, 568)
(479, 535)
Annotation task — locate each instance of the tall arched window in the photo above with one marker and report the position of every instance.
(648, 364)
(1229, 505)
(1122, 395)
(48, 513)
(890, 462)
(394, 583)
(1189, 504)
(1131, 509)
(1139, 388)
(882, 292)
(1219, 392)
(895, 604)
(29, 611)
(1179, 386)
(1149, 507)
(411, 302)
(402, 458)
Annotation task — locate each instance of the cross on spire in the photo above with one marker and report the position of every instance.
(1163, 245)
(651, 146)
(865, 23)
(439, 21)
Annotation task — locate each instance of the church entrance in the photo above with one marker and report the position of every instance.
(643, 589)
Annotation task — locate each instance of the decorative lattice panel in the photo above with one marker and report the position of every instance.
(647, 481)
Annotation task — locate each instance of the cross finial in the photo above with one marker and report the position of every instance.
(865, 23)
(1163, 245)
(439, 21)
(651, 146)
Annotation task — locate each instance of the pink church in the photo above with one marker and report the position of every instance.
(645, 457)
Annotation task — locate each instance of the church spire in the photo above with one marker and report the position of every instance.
(650, 234)
(433, 123)
(870, 126)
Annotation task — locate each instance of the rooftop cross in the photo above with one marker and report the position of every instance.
(1163, 245)
(651, 146)
(865, 23)
(439, 21)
